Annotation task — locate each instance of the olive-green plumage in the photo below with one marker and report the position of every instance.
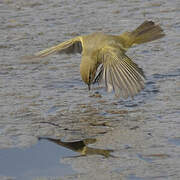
(104, 59)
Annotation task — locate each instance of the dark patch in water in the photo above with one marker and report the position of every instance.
(175, 73)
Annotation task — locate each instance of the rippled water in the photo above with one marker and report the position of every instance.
(47, 98)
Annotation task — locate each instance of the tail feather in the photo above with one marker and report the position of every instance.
(146, 32)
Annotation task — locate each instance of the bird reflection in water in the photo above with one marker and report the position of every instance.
(82, 147)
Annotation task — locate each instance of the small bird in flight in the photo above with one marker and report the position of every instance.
(104, 58)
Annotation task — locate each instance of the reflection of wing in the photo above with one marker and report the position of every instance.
(71, 46)
(73, 145)
(81, 147)
(120, 73)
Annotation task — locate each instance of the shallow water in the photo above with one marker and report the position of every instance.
(42, 159)
(47, 98)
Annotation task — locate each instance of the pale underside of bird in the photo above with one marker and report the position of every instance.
(104, 59)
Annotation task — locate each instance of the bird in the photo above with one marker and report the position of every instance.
(104, 60)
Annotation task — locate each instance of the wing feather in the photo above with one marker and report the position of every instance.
(136, 72)
(108, 80)
(126, 79)
(134, 77)
(71, 46)
(119, 84)
(120, 73)
(129, 79)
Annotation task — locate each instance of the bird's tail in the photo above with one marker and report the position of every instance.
(146, 32)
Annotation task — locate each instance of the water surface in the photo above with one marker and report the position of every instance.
(47, 98)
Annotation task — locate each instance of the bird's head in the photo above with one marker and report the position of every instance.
(88, 72)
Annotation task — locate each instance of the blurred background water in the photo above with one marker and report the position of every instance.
(47, 98)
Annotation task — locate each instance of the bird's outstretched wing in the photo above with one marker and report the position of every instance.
(71, 46)
(120, 73)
